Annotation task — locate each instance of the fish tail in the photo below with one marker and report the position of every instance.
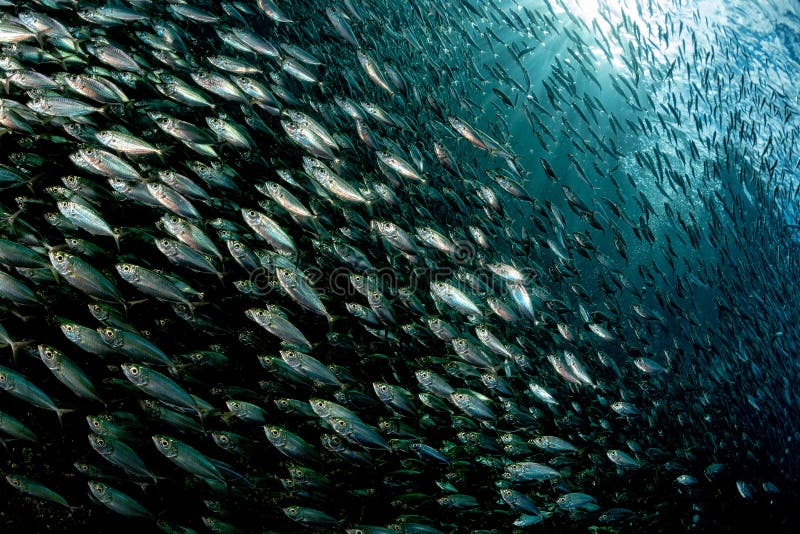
(40, 39)
(60, 413)
(162, 151)
(16, 345)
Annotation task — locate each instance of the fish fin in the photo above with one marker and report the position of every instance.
(16, 345)
(332, 318)
(227, 417)
(142, 486)
(134, 302)
(11, 220)
(230, 473)
(105, 108)
(60, 412)
(34, 179)
(164, 150)
(40, 39)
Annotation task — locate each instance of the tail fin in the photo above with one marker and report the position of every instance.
(60, 412)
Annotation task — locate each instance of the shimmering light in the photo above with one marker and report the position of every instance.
(586, 9)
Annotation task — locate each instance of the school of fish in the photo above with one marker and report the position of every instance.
(370, 266)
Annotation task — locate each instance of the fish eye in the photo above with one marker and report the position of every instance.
(101, 442)
(235, 405)
(96, 423)
(109, 332)
(134, 371)
(223, 438)
(164, 442)
(15, 482)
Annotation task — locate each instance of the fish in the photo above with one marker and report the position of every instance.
(454, 297)
(291, 445)
(117, 501)
(278, 326)
(459, 264)
(246, 411)
(622, 459)
(577, 501)
(19, 255)
(310, 367)
(151, 283)
(19, 386)
(15, 428)
(309, 516)
(529, 471)
(118, 340)
(119, 453)
(187, 457)
(68, 373)
(83, 276)
(159, 386)
(18, 292)
(35, 489)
